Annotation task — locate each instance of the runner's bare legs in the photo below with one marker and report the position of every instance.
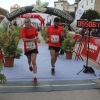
(29, 62)
(33, 58)
(54, 56)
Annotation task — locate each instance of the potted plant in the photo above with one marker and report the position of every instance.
(68, 45)
(9, 45)
(2, 76)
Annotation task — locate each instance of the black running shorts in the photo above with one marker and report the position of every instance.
(54, 48)
(30, 52)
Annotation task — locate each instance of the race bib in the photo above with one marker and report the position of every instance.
(54, 38)
(30, 45)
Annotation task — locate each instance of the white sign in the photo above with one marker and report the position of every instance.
(54, 38)
(79, 13)
(30, 45)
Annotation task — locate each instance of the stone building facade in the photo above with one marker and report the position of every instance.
(64, 5)
(97, 5)
(14, 7)
(89, 4)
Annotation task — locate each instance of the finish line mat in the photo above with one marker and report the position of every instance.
(47, 86)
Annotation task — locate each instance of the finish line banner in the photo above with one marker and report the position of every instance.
(94, 48)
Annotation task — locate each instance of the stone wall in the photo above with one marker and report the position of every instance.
(97, 5)
(14, 7)
(65, 5)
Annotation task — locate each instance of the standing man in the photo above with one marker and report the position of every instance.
(54, 35)
(30, 38)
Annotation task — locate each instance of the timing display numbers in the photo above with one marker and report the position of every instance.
(88, 24)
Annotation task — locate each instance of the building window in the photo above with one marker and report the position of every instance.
(91, 1)
(82, 6)
(87, 2)
(61, 4)
(55, 5)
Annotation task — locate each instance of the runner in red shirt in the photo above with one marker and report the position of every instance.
(54, 35)
(30, 38)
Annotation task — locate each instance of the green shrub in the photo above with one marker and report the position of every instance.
(9, 42)
(2, 76)
(68, 43)
(43, 33)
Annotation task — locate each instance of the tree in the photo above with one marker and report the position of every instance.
(90, 15)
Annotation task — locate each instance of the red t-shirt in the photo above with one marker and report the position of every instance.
(54, 35)
(29, 34)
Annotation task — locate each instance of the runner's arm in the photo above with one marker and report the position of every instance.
(38, 40)
(29, 40)
(62, 33)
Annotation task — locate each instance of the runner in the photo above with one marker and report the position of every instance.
(30, 38)
(54, 34)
